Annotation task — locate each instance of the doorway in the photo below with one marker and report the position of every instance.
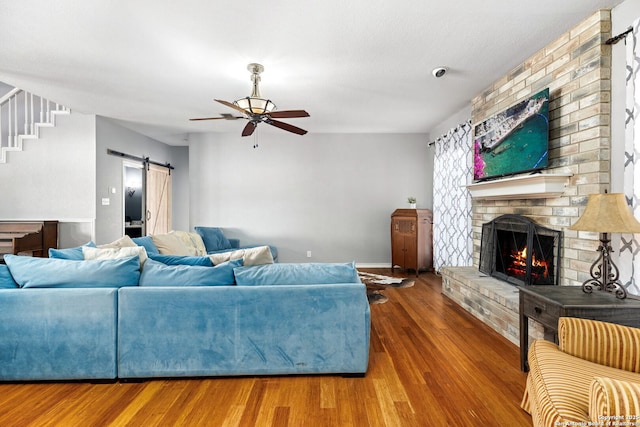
(133, 192)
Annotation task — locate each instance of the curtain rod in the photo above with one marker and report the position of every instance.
(455, 129)
(616, 39)
(140, 159)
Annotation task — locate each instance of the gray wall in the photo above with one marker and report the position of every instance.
(54, 178)
(109, 135)
(331, 194)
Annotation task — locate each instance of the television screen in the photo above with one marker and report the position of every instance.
(513, 141)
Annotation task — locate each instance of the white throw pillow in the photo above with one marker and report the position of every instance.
(250, 256)
(115, 253)
(179, 243)
(123, 242)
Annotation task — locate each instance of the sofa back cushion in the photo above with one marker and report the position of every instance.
(32, 272)
(179, 243)
(213, 238)
(148, 244)
(297, 274)
(6, 279)
(156, 273)
(202, 261)
(70, 253)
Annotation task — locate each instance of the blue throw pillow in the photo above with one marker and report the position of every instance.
(32, 272)
(6, 279)
(155, 273)
(202, 261)
(213, 238)
(70, 253)
(148, 244)
(297, 274)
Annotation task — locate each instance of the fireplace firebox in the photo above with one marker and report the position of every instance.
(517, 250)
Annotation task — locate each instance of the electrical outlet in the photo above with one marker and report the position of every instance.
(308, 254)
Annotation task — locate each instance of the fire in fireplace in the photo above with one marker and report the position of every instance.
(519, 251)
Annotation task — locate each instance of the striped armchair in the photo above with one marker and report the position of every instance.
(592, 376)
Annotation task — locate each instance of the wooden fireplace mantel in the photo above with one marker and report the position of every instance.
(536, 186)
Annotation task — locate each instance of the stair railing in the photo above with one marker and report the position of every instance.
(21, 115)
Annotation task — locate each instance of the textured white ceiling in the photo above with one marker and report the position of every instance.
(355, 66)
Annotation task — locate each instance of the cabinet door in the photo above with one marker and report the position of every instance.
(403, 242)
(397, 249)
(411, 252)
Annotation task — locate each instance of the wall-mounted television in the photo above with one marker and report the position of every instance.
(513, 141)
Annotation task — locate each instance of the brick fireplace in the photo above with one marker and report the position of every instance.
(576, 68)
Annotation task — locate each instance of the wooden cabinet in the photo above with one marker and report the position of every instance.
(412, 239)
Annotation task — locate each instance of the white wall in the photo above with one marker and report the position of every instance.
(54, 178)
(622, 17)
(331, 194)
(110, 135)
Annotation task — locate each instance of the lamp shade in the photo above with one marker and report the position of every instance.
(607, 213)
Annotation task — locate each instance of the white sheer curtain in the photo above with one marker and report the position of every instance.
(629, 261)
(452, 171)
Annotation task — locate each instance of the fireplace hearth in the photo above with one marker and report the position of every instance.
(517, 250)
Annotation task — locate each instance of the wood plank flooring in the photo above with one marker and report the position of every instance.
(431, 364)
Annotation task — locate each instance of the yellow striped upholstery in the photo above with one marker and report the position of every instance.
(603, 343)
(558, 384)
(610, 398)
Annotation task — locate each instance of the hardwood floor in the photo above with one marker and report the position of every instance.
(431, 364)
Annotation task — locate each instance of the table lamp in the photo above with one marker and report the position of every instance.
(606, 213)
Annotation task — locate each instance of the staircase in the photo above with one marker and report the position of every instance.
(22, 115)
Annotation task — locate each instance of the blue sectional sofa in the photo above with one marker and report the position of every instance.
(61, 321)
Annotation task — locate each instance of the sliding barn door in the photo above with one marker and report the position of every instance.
(158, 183)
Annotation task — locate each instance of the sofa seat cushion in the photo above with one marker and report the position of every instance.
(259, 255)
(558, 384)
(32, 272)
(297, 274)
(156, 273)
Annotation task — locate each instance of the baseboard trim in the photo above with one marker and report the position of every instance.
(372, 265)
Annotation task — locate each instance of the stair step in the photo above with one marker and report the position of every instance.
(17, 97)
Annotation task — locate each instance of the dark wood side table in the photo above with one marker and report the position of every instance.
(547, 303)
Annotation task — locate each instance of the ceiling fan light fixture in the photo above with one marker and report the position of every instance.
(255, 105)
(256, 109)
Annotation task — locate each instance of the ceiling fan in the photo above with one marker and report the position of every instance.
(257, 109)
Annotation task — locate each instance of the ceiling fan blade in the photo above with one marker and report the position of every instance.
(286, 126)
(222, 117)
(231, 105)
(249, 128)
(287, 114)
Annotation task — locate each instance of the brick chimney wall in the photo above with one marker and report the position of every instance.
(577, 69)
